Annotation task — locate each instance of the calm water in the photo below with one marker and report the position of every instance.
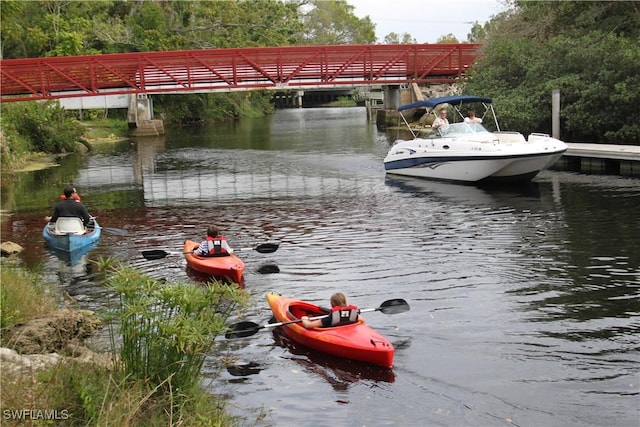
(524, 301)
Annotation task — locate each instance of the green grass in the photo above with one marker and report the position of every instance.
(343, 101)
(105, 129)
(23, 296)
(160, 335)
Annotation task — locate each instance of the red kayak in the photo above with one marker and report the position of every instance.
(356, 341)
(223, 267)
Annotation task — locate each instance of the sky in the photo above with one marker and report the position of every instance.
(426, 20)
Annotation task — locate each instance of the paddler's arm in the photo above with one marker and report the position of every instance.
(310, 324)
(200, 250)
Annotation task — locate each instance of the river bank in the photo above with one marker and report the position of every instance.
(50, 373)
(96, 133)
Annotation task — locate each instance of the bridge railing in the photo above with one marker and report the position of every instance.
(294, 67)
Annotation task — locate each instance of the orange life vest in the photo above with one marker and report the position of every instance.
(215, 246)
(76, 197)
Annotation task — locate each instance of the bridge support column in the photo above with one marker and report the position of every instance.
(289, 99)
(392, 97)
(298, 98)
(389, 115)
(140, 117)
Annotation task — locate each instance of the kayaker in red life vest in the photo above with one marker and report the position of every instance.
(214, 244)
(75, 196)
(341, 314)
(70, 206)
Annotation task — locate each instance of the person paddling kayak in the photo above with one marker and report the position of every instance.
(70, 206)
(214, 244)
(341, 314)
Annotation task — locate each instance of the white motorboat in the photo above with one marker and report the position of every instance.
(468, 152)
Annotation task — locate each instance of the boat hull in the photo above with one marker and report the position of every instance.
(444, 159)
(355, 341)
(540, 152)
(448, 159)
(70, 242)
(445, 169)
(225, 267)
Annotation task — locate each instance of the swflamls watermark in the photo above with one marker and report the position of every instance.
(35, 414)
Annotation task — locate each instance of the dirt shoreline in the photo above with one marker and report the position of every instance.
(45, 341)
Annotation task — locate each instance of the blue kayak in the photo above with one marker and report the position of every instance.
(68, 234)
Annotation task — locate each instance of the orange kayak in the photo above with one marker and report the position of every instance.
(356, 341)
(223, 267)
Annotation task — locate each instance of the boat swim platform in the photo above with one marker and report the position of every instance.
(606, 159)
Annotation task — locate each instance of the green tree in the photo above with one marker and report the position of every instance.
(588, 50)
(332, 22)
(477, 33)
(447, 38)
(49, 28)
(58, 28)
(395, 38)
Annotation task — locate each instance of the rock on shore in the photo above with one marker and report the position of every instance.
(43, 342)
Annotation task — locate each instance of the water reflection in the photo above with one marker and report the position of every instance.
(73, 258)
(415, 187)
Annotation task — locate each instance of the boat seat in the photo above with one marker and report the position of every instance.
(69, 225)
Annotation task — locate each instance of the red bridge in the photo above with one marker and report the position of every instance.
(224, 70)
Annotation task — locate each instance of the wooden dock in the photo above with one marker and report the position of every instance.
(607, 159)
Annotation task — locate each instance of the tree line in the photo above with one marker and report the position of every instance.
(590, 51)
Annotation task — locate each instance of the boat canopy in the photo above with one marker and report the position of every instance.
(456, 99)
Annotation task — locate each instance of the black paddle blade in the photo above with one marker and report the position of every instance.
(154, 254)
(242, 329)
(267, 248)
(394, 306)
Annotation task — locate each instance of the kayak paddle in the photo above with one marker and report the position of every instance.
(264, 248)
(246, 329)
(116, 231)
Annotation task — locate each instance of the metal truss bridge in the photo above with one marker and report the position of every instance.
(225, 70)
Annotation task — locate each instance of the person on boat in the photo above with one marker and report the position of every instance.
(214, 244)
(341, 314)
(441, 120)
(472, 118)
(70, 206)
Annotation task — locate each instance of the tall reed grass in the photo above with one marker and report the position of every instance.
(167, 329)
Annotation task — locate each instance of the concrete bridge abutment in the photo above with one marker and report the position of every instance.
(140, 117)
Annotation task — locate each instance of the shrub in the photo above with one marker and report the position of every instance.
(167, 329)
(45, 125)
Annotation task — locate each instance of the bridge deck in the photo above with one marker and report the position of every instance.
(292, 67)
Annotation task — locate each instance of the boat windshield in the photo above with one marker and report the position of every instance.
(459, 129)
